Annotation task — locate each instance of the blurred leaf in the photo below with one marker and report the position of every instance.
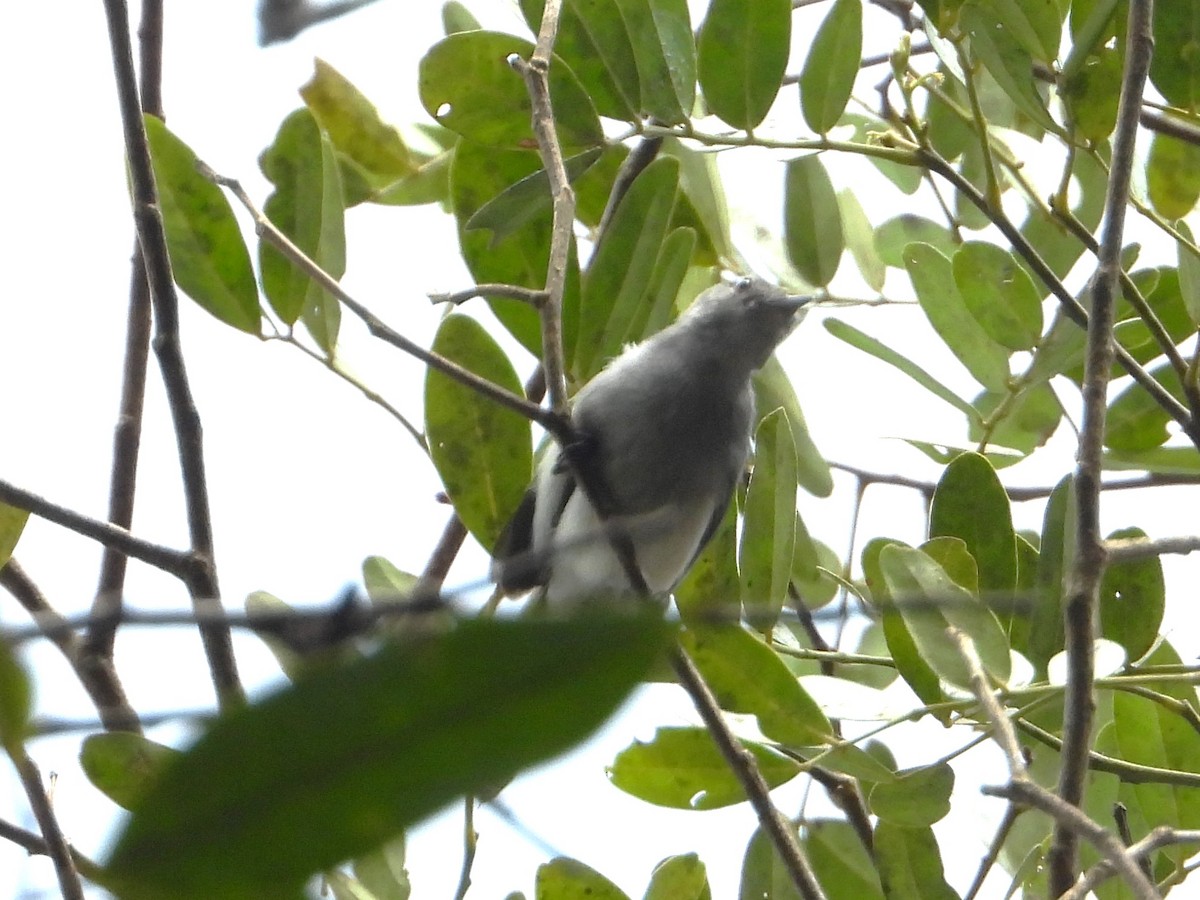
(909, 863)
(905, 178)
(682, 768)
(815, 587)
(769, 522)
(306, 205)
(881, 351)
(526, 199)
(773, 390)
(933, 280)
(1135, 420)
(1016, 618)
(743, 53)
(702, 187)
(383, 872)
(467, 85)
(429, 183)
(456, 18)
(812, 223)
(679, 878)
(569, 879)
(1175, 69)
(1060, 249)
(746, 676)
(972, 165)
(1189, 275)
(1090, 94)
(481, 450)
(209, 259)
(354, 126)
(1162, 292)
(918, 798)
(930, 603)
(618, 277)
(997, 44)
(665, 52)
(894, 235)
(1173, 175)
(670, 269)
(860, 240)
(1132, 599)
(999, 294)
(841, 863)
(122, 765)
(970, 503)
(832, 65)
(385, 583)
(594, 40)
(944, 454)
(16, 698)
(370, 748)
(12, 524)
(1058, 539)
(1027, 422)
(1159, 461)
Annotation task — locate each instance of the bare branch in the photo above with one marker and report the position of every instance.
(533, 297)
(56, 845)
(1162, 836)
(1126, 549)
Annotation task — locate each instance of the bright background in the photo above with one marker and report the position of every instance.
(307, 478)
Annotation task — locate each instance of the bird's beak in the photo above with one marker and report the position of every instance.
(795, 301)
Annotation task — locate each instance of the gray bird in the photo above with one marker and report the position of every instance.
(669, 423)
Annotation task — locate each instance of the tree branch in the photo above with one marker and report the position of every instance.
(57, 847)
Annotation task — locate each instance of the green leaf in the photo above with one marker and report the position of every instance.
(385, 583)
(1135, 420)
(702, 188)
(569, 879)
(679, 878)
(456, 18)
(467, 85)
(383, 872)
(12, 524)
(919, 797)
(909, 863)
(666, 281)
(743, 53)
(1173, 175)
(1056, 546)
(769, 522)
(370, 748)
(911, 665)
(996, 43)
(618, 277)
(307, 206)
(746, 676)
(209, 259)
(881, 351)
(812, 222)
(832, 65)
(860, 240)
(711, 586)
(894, 235)
(1132, 599)
(1159, 461)
(526, 199)
(665, 53)
(842, 865)
(773, 390)
(970, 503)
(681, 768)
(354, 126)
(123, 765)
(1090, 92)
(1027, 422)
(930, 603)
(1175, 67)
(481, 450)
(1189, 274)
(594, 40)
(933, 280)
(429, 183)
(1060, 249)
(16, 698)
(999, 294)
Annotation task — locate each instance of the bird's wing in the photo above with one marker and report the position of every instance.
(521, 558)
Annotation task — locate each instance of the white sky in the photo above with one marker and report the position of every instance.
(307, 478)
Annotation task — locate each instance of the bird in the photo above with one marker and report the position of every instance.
(668, 423)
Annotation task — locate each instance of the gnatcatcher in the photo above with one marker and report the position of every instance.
(669, 423)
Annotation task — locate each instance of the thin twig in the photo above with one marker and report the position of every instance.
(57, 847)
(777, 828)
(1162, 836)
(470, 844)
(1126, 549)
(993, 853)
(1083, 579)
(202, 585)
(533, 297)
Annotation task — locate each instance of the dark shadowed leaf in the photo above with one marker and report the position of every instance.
(682, 768)
(832, 65)
(528, 198)
(1175, 69)
(841, 863)
(1058, 537)
(910, 864)
(1132, 599)
(971, 504)
(919, 797)
(209, 259)
(743, 52)
(370, 748)
(711, 586)
(467, 85)
(812, 223)
(1135, 420)
(665, 53)
(482, 451)
(16, 698)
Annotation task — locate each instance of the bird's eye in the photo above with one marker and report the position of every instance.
(744, 284)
